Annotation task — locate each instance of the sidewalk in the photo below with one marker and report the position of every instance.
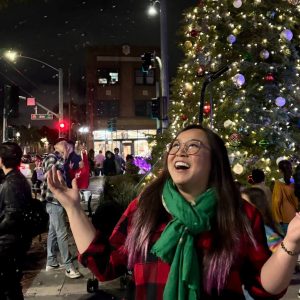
(55, 284)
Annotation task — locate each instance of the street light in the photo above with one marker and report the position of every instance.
(84, 130)
(152, 10)
(13, 55)
(164, 58)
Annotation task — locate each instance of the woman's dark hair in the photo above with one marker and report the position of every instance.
(11, 154)
(109, 152)
(285, 166)
(259, 199)
(258, 176)
(230, 225)
(129, 156)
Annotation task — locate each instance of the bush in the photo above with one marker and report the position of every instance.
(120, 189)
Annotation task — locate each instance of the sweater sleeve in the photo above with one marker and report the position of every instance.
(277, 202)
(107, 258)
(255, 256)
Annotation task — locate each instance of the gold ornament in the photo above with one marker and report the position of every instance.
(188, 87)
(188, 44)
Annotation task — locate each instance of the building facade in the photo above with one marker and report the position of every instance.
(119, 95)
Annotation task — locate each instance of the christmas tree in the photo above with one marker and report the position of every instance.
(254, 105)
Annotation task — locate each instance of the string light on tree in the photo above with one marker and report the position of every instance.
(259, 41)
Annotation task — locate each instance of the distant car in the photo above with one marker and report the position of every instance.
(25, 170)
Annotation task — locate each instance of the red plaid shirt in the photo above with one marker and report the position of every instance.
(108, 260)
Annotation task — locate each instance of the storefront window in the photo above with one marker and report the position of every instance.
(128, 141)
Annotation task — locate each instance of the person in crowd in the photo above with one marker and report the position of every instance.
(257, 197)
(82, 174)
(14, 196)
(91, 159)
(296, 177)
(109, 164)
(186, 236)
(284, 202)
(120, 163)
(258, 180)
(37, 175)
(99, 158)
(58, 230)
(130, 167)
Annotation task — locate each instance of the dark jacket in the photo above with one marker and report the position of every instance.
(15, 193)
(109, 165)
(297, 182)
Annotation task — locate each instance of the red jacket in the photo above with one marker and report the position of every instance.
(108, 260)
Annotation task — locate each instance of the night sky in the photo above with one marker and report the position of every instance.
(58, 32)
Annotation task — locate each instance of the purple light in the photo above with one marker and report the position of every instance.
(142, 163)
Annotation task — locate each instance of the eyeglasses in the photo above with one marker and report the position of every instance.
(190, 147)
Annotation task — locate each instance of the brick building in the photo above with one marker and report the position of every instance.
(118, 89)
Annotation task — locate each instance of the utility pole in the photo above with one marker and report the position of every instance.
(60, 96)
(165, 65)
(70, 99)
(4, 125)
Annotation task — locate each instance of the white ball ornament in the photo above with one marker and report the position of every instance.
(237, 3)
(238, 169)
(280, 101)
(239, 79)
(231, 39)
(228, 123)
(264, 54)
(286, 34)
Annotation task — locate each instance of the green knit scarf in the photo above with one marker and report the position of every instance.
(176, 244)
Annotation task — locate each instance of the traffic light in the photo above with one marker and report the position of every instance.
(10, 132)
(11, 100)
(148, 59)
(112, 124)
(63, 126)
(155, 108)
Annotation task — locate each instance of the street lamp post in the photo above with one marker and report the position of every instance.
(164, 59)
(12, 55)
(164, 62)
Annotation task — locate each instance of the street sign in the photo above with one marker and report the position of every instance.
(41, 117)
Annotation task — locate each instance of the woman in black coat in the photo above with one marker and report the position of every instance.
(109, 164)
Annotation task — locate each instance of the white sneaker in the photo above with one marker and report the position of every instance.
(72, 273)
(53, 267)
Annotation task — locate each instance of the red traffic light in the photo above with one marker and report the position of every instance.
(63, 125)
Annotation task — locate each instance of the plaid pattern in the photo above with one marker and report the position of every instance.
(48, 162)
(108, 260)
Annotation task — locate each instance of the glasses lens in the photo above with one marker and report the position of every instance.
(192, 147)
(174, 147)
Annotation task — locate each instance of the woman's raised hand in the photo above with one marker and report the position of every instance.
(67, 197)
(293, 233)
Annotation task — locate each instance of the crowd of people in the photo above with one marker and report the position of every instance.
(112, 163)
(192, 233)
